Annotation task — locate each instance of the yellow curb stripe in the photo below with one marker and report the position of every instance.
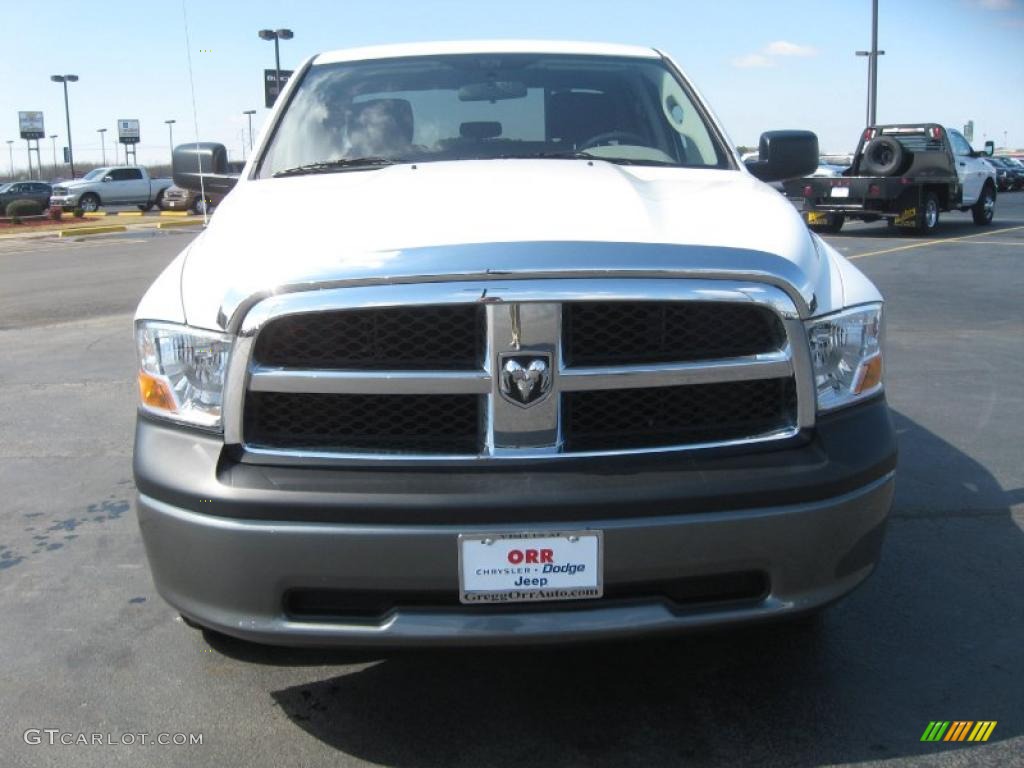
(187, 223)
(126, 213)
(174, 213)
(91, 230)
(94, 214)
(933, 242)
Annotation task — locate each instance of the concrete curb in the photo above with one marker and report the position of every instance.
(92, 230)
(170, 224)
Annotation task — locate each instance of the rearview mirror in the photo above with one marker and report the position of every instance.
(785, 155)
(206, 159)
(492, 90)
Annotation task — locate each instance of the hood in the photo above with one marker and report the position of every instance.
(435, 219)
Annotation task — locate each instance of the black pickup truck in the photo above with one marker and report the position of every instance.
(905, 174)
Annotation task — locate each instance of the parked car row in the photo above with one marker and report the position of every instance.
(1009, 172)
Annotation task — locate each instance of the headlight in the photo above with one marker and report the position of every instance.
(181, 372)
(846, 352)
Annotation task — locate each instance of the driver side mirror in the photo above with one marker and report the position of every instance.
(990, 148)
(108, 177)
(785, 155)
(207, 160)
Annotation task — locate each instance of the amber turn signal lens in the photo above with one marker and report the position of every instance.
(872, 375)
(155, 393)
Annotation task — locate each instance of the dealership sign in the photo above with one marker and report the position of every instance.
(31, 125)
(128, 131)
(270, 84)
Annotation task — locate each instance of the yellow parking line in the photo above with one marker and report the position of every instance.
(932, 242)
(174, 213)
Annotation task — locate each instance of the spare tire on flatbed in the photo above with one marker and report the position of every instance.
(883, 156)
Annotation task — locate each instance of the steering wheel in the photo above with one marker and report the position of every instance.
(602, 139)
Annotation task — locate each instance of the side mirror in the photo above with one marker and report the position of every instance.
(990, 148)
(108, 178)
(206, 159)
(785, 155)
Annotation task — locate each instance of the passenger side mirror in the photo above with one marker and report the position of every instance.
(108, 177)
(206, 159)
(785, 155)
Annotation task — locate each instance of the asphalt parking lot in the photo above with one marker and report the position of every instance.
(936, 633)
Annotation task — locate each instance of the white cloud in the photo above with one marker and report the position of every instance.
(996, 5)
(753, 61)
(766, 56)
(786, 48)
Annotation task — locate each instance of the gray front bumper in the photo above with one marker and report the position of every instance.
(232, 574)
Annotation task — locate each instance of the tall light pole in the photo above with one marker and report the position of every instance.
(53, 140)
(103, 143)
(873, 55)
(275, 35)
(10, 150)
(249, 113)
(170, 135)
(65, 79)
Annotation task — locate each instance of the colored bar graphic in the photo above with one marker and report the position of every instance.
(959, 730)
(935, 730)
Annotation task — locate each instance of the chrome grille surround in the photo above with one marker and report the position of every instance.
(528, 311)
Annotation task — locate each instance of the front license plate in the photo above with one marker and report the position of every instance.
(521, 567)
(840, 191)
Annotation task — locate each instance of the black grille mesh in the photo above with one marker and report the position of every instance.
(403, 338)
(621, 333)
(379, 423)
(657, 416)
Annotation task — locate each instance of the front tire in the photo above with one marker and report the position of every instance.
(928, 219)
(89, 202)
(985, 208)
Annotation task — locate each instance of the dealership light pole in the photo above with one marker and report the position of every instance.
(170, 135)
(873, 55)
(65, 79)
(275, 35)
(103, 143)
(249, 113)
(53, 140)
(10, 150)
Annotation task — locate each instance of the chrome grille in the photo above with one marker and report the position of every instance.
(414, 372)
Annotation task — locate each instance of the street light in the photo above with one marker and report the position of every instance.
(65, 79)
(170, 135)
(53, 140)
(10, 149)
(873, 55)
(103, 144)
(249, 113)
(275, 35)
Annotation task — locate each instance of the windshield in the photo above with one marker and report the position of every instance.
(95, 173)
(5, 187)
(628, 110)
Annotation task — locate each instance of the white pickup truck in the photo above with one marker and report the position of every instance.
(111, 185)
(558, 365)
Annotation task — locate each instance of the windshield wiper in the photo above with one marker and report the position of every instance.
(582, 155)
(335, 166)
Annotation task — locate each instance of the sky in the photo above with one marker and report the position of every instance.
(760, 65)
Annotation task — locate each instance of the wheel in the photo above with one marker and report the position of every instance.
(883, 156)
(89, 202)
(983, 210)
(833, 223)
(928, 218)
